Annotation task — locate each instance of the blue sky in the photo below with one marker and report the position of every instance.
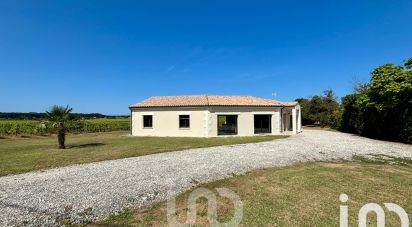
(102, 56)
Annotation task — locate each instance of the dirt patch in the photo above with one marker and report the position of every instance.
(341, 165)
(397, 170)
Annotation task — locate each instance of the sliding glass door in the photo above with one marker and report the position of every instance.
(227, 125)
(263, 124)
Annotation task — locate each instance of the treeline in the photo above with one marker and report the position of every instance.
(381, 108)
(37, 116)
(321, 110)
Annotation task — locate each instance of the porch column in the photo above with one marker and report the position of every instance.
(281, 122)
(300, 121)
(294, 121)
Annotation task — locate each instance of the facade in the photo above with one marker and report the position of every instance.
(213, 115)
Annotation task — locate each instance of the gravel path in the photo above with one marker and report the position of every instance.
(87, 192)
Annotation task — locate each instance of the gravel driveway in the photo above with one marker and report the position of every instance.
(86, 192)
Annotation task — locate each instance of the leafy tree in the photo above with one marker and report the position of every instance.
(350, 113)
(389, 97)
(408, 63)
(330, 101)
(383, 107)
(316, 108)
(59, 116)
(321, 109)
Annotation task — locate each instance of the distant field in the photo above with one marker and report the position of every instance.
(34, 127)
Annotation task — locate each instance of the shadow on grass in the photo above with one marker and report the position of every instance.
(85, 145)
(25, 136)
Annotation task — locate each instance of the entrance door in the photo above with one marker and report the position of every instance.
(263, 124)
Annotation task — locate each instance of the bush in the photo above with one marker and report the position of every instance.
(332, 120)
(350, 114)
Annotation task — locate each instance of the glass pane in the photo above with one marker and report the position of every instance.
(227, 124)
(147, 121)
(263, 124)
(184, 121)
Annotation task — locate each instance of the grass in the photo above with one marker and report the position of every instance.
(18, 155)
(299, 195)
(383, 159)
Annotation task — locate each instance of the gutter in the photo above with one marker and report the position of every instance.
(281, 118)
(189, 106)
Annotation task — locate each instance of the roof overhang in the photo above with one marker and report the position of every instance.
(193, 106)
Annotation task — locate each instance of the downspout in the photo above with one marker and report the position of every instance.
(281, 118)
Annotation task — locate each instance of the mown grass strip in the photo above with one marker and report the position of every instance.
(299, 195)
(20, 155)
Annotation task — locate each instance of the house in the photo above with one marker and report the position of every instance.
(214, 115)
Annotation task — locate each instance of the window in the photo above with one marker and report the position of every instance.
(147, 121)
(227, 124)
(184, 121)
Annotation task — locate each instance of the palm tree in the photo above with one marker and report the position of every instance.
(58, 116)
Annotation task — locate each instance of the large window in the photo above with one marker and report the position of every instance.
(263, 124)
(147, 121)
(227, 124)
(184, 121)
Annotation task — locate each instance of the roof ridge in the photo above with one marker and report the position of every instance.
(210, 100)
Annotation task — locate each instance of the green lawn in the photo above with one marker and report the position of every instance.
(300, 195)
(18, 155)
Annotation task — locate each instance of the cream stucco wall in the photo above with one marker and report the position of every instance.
(203, 120)
(245, 118)
(166, 122)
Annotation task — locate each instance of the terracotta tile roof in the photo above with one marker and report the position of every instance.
(208, 100)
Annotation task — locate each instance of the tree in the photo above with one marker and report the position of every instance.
(389, 98)
(383, 107)
(350, 114)
(408, 63)
(58, 116)
(321, 109)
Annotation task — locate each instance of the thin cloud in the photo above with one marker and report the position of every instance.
(170, 68)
